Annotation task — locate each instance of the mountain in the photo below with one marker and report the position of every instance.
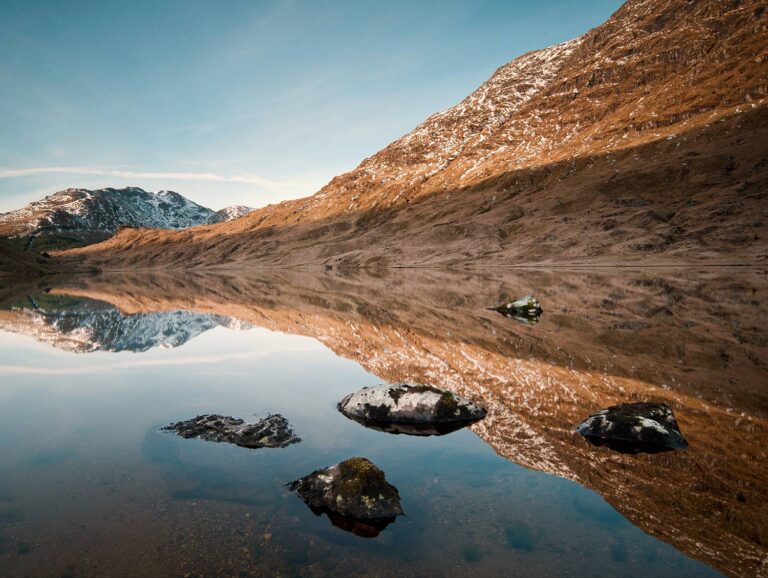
(642, 140)
(83, 325)
(81, 216)
(228, 214)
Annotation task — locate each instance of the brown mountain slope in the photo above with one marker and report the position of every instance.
(644, 138)
(692, 340)
(15, 263)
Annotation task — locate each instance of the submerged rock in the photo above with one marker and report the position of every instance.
(526, 309)
(271, 432)
(634, 428)
(355, 495)
(410, 409)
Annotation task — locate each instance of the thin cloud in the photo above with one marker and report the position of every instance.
(175, 176)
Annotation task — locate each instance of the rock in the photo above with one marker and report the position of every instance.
(271, 432)
(355, 495)
(410, 409)
(634, 428)
(526, 309)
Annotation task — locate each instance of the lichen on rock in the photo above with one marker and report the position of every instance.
(634, 428)
(414, 406)
(355, 488)
(273, 431)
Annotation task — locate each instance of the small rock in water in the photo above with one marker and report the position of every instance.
(526, 309)
(354, 494)
(634, 428)
(410, 409)
(271, 432)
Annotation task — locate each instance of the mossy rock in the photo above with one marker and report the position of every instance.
(355, 487)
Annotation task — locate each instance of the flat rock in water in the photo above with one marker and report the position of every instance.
(526, 309)
(354, 493)
(634, 428)
(421, 406)
(271, 432)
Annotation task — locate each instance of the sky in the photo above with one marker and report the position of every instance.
(241, 102)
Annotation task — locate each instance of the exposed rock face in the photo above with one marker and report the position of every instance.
(228, 214)
(81, 216)
(410, 405)
(354, 488)
(526, 309)
(634, 428)
(271, 432)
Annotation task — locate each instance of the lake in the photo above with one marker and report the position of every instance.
(92, 367)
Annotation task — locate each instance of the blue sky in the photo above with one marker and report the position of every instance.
(241, 102)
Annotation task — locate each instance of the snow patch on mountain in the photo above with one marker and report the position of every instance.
(443, 137)
(229, 213)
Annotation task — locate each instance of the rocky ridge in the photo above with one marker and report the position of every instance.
(84, 216)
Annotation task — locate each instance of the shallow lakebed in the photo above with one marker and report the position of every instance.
(91, 368)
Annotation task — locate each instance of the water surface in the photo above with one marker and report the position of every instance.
(92, 368)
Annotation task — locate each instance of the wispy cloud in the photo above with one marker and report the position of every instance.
(174, 176)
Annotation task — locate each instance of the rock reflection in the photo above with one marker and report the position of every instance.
(357, 526)
(412, 429)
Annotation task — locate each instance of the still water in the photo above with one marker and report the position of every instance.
(91, 369)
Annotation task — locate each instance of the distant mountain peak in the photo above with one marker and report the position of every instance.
(229, 213)
(80, 216)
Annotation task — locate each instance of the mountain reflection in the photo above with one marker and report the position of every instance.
(83, 325)
(695, 341)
